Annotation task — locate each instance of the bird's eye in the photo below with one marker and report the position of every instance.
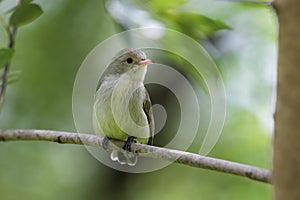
(129, 60)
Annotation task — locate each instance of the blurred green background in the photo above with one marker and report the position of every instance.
(240, 37)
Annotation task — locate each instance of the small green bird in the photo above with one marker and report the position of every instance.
(122, 108)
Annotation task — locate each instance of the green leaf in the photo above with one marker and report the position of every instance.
(5, 56)
(15, 7)
(164, 5)
(25, 14)
(197, 25)
(12, 77)
(160, 6)
(27, 1)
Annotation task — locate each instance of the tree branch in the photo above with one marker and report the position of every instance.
(4, 75)
(12, 32)
(185, 158)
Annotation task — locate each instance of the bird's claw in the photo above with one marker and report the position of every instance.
(105, 143)
(127, 144)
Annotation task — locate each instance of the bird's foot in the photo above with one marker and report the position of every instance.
(105, 143)
(127, 144)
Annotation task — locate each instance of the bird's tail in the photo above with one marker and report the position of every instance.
(124, 157)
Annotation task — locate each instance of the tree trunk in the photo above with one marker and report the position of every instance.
(286, 176)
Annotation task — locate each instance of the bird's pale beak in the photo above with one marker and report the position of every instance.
(145, 62)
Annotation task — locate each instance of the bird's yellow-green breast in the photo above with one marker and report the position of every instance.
(119, 107)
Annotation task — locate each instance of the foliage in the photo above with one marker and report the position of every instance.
(22, 14)
(5, 56)
(196, 25)
(170, 12)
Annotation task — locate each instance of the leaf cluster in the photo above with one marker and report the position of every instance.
(23, 13)
(173, 14)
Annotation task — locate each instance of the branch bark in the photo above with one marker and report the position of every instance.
(185, 158)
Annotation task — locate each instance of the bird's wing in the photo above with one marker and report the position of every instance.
(148, 111)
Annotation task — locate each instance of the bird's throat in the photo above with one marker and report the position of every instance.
(136, 74)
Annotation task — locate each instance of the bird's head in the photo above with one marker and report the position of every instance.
(132, 62)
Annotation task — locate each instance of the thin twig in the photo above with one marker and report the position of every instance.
(182, 157)
(12, 35)
(3, 84)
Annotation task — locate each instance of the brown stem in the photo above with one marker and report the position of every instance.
(12, 35)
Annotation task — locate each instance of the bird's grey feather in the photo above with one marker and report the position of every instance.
(120, 77)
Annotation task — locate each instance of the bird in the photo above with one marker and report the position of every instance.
(122, 107)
